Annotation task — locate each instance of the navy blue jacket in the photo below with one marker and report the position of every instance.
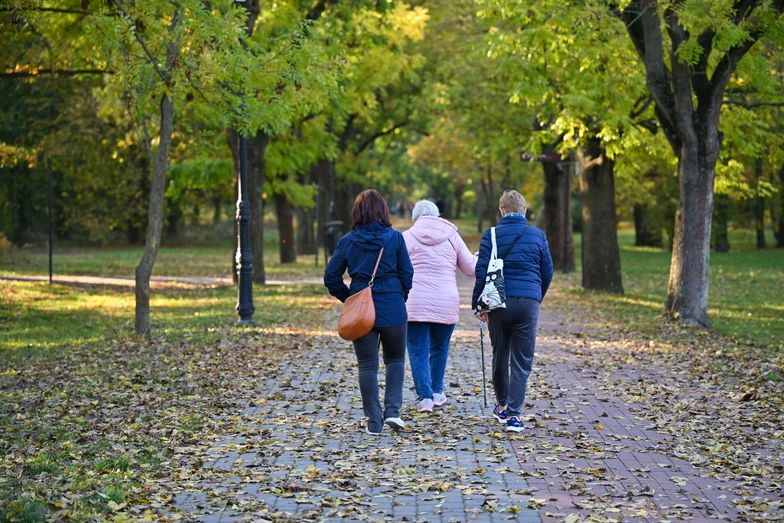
(528, 268)
(358, 251)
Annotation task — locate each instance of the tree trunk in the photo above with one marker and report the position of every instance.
(285, 214)
(780, 229)
(459, 194)
(721, 239)
(601, 260)
(759, 207)
(323, 172)
(154, 219)
(257, 173)
(345, 192)
(687, 106)
(647, 232)
(556, 217)
(232, 138)
(306, 239)
(216, 210)
(687, 289)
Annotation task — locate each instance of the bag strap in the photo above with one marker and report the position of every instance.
(494, 251)
(373, 276)
(520, 235)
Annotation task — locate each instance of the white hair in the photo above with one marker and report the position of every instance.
(424, 208)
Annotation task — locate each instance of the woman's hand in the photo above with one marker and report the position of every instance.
(482, 316)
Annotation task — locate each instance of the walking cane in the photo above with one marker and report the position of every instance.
(482, 348)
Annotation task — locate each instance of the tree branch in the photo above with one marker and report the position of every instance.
(372, 138)
(60, 72)
(165, 76)
(752, 105)
(681, 76)
(52, 10)
(317, 10)
(642, 24)
(699, 72)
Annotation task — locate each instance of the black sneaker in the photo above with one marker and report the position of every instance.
(500, 414)
(514, 424)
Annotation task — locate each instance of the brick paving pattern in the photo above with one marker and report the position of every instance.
(300, 454)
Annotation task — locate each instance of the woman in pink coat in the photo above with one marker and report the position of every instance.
(436, 251)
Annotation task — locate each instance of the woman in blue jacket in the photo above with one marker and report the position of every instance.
(528, 271)
(357, 252)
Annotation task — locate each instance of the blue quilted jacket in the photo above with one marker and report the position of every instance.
(528, 267)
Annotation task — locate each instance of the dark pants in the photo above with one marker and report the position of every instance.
(393, 342)
(513, 335)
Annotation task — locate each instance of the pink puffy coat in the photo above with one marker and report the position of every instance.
(436, 250)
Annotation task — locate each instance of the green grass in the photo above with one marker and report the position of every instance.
(198, 261)
(36, 318)
(746, 292)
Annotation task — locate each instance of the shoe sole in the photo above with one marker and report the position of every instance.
(515, 429)
(500, 420)
(394, 426)
(425, 410)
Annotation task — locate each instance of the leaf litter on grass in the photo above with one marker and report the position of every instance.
(710, 398)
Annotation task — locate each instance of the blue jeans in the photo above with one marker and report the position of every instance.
(428, 348)
(513, 335)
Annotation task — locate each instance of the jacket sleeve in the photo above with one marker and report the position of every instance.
(333, 275)
(405, 270)
(481, 267)
(545, 266)
(465, 260)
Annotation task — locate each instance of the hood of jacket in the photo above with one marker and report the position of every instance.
(372, 236)
(432, 230)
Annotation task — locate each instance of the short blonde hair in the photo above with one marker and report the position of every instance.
(512, 201)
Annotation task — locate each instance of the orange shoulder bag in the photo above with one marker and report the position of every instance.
(359, 313)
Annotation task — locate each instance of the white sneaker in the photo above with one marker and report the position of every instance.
(425, 405)
(395, 424)
(368, 431)
(439, 398)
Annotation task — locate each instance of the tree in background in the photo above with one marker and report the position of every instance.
(706, 43)
(567, 62)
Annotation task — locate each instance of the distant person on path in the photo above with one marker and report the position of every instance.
(437, 251)
(357, 252)
(528, 271)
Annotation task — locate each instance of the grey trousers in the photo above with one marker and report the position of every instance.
(513, 335)
(393, 343)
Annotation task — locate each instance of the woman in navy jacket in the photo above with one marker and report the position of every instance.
(528, 271)
(357, 252)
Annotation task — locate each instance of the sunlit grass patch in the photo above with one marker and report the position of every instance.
(121, 262)
(746, 291)
(36, 318)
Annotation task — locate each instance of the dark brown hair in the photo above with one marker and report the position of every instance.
(369, 207)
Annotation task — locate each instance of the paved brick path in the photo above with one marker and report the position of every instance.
(590, 453)
(299, 453)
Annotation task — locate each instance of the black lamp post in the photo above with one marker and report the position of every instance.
(244, 256)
